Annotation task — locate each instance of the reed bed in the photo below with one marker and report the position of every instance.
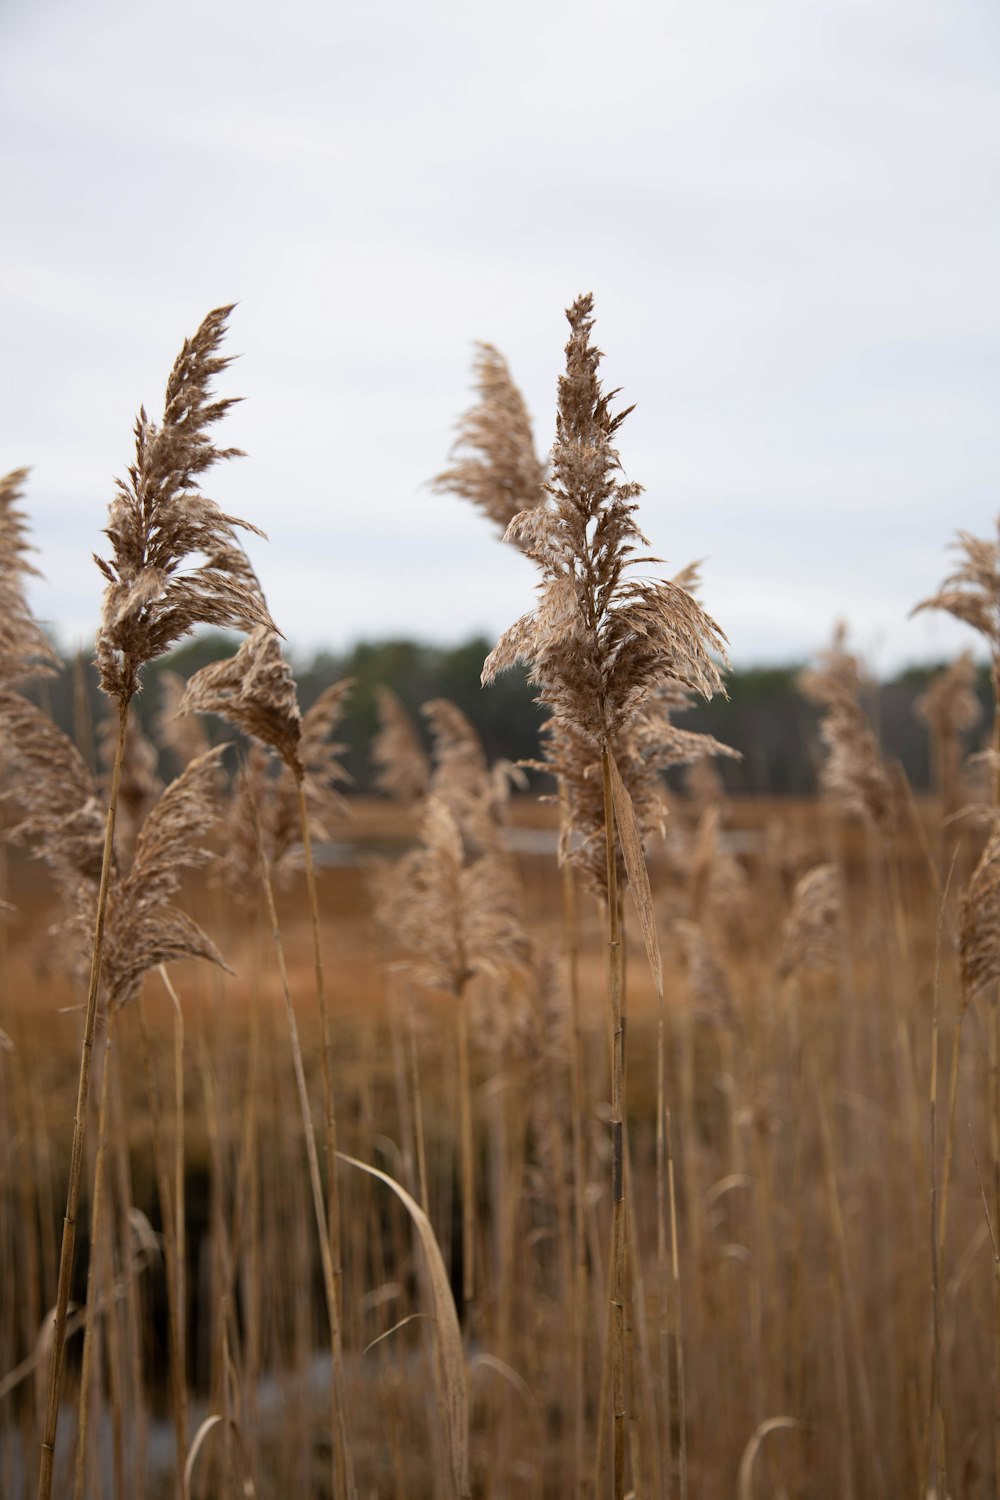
(376, 1201)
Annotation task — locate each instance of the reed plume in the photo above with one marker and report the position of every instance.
(979, 924)
(852, 775)
(144, 927)
(949, 707)
(972, 594)
(403, 769)
(711, 989)
(182, 734)
(719, 887)
(159, 524)
(496, 467)
(476, 792)
(24, 647)
(57, 810)
(600, 645)
(812, 935)
(255, 691)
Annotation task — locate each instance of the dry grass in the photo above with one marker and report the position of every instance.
(804, 1237)
(805, 1302)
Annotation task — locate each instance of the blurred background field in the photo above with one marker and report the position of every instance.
(800, 1119)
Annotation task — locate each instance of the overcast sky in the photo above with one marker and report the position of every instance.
(788, 212)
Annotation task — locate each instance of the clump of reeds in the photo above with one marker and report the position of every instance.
(452, 911)
(601, 644)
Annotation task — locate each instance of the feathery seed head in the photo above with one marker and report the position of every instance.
(972, 592)
(60, 813)
(949, 705)
(852, 776)
(497, 468)
(144, 928)
(710, 986)
(601, 641)
(404, 770)
(159, 521)
(182, 733)
(979, 923)
(611, 653)
(255, 691)
(812, 935)
(24, 646)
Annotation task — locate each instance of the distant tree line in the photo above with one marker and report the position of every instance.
(765, 717)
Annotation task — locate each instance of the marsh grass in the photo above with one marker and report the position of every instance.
(761, 1267)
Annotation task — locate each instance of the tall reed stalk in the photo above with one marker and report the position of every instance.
(609, 652)
(157, 592)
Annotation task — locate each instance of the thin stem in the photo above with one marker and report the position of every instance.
(172, 1251)
(467, 1151)
(316, 1184)
(662, 1274)
(329, 1107)
(329, 1113)
(679, 1339)
(571, 941)
(418, 1106)
(939, 1462)
(619, 1229)
(79, 1131)
(96, 1229)
(180, 1217)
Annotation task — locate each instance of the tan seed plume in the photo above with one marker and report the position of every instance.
(972, 592)
(612, 653)
(255, 691)
(852, 775)
(950, 708)
(812, 937)
(496, 467)
(403, 769)
(160, 523)
(183, 734)
(144, 926)
(24, 646)
(57, 810)
(979, 923)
